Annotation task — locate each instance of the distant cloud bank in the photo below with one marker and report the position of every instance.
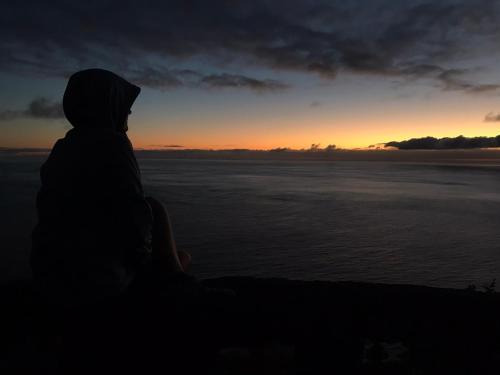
(431, 143)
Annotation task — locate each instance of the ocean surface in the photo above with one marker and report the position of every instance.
(388, 222)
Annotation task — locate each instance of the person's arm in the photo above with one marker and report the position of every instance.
(165, 255)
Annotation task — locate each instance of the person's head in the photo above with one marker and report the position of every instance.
(97, 98)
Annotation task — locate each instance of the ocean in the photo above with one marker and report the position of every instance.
(408, 223)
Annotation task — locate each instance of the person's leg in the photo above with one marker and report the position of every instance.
(166, 257)
(185, 259)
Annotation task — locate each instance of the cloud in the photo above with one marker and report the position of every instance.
(492, 117)
(232, 80)
(410, 39)
(157, 78)
(167, 146)
(449, 79)
(431, 143)
(452, 80)
(39, 108)
(164, 79)
(10, 115)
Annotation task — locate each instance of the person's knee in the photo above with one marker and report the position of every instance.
(154, 203)
(184, 259)
(157, 208)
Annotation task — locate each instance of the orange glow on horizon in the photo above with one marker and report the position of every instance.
(295, 132)
(352, 135)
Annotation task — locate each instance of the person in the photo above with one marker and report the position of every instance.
(97, 233)
(103, 257)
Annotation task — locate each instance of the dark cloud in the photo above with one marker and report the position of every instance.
(41, 108)
(167, 146)
(157, 78)
(232, 80)
(10, 115)
(452, 80)
(410, 39)
(431, 143)
(492, 117)
(449, 79)
(164, 79)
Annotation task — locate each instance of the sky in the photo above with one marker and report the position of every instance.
(258, 74)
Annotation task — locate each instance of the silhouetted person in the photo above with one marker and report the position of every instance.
(103, 256)
(96, 231)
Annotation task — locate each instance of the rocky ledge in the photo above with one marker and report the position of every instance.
(268, 326)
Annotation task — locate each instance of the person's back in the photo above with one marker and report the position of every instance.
(94, 228)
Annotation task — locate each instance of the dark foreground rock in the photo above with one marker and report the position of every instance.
(270, 326)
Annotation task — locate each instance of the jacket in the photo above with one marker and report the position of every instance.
(94, 225)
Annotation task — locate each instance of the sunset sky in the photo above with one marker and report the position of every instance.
(259, 74)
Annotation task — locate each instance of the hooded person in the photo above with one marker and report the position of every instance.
(94, 224)
(98, 237)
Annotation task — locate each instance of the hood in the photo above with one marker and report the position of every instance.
(97, 98)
